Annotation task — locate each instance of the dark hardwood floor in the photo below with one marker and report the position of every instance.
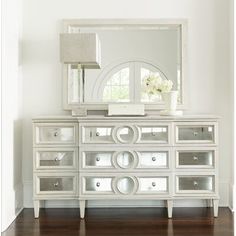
(123, 221)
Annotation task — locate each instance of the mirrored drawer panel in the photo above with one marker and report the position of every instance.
(97, 159)
(96, 185)
(49, 134)
(195, 159)
(125, 134)
(154, 134)
(198, 133)
(153, 184)
(97, 134)
(50, 159)
(195, 184)
(153, 159)
(56, 185)
(125, 160)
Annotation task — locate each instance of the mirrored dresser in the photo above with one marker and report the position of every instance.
(125, 158)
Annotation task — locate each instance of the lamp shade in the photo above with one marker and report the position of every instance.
(81, 48)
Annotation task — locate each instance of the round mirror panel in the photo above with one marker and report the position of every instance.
(125, 160)
(125, 134)
(125, 185)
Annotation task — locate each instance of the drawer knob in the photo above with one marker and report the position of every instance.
(97, 158)
(98, 184)
(195, 183)
(195, 158)
(55, 134)
(195, 133)
(57, 159)
(153, 184)
(153, 158)
(56, 184)
(97, 134)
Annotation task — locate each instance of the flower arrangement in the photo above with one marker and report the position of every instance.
(153, 84)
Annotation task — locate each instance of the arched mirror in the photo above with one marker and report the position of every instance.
(131, 51)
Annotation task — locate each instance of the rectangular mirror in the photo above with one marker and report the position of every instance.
(131, 50)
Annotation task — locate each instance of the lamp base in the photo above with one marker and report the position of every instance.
(171, 113)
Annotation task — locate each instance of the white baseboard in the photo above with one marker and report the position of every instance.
(19, 197)
(9, 222)
(28, 202)
(18, 207)
(232, 192)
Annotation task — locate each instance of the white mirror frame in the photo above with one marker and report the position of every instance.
(123, 22)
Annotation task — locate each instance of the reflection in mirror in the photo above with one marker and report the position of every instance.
(125, 160)
(125, 134)
(126, 185)
(130, 53)
(98, 184)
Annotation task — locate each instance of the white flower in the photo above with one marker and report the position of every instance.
(154, 84)
(166, 86)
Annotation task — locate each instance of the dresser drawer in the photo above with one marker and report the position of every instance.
(156, 133)
(97, 185)
(193, 184)
(51, 134)
(90, 160)
(125, 134)
(97, 134)
(150, 185)
(193, 132)
(125, 185)
(196, 159)
(55, 158)
(153, 159)
(55, 184)
(124, 160)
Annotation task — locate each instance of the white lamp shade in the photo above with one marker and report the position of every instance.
(81, 48)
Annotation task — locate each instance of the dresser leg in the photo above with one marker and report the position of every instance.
(209, 202)
(215, 207)
(36, 208)
(170, 208)
(82, 208)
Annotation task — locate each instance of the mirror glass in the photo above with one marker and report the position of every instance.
(126, 185)
(129, 54)
(125, 134)
(125, 160)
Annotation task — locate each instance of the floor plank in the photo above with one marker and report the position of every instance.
(123, 222)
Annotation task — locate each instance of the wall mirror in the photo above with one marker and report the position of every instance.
(130, 51)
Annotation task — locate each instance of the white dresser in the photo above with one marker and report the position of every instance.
(151, 157)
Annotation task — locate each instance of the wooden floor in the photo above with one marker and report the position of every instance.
(123, 221)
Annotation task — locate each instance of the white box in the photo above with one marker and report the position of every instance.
(126, 109)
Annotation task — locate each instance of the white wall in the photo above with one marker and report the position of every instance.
(224, 89)
(208, 63)
(11, 160)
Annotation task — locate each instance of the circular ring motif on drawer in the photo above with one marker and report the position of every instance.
(125, 159)
(125, 134)
(125, 185)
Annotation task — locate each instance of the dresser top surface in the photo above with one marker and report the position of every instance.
(194, 117)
